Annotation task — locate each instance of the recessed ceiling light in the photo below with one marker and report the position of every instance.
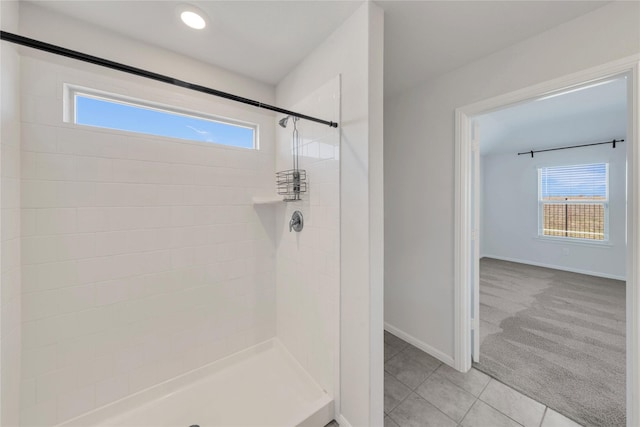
(193, 19)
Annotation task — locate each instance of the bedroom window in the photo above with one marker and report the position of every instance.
(110, 111)
(573, 202)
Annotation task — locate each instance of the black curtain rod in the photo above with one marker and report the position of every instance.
(57, 50)
(572, 146)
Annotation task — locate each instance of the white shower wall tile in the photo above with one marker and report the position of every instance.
(113, 388)
(39, 138)
(307, 262)
(142, 257)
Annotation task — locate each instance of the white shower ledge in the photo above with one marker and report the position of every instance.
(269, 200)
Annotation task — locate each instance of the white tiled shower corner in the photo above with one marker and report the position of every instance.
(146, 265)
(308, 263)
(143, 257)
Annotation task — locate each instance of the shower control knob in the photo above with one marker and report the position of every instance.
(296, 222)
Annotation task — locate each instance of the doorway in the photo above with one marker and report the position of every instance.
(467, 230)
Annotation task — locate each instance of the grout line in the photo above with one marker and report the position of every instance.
(399, 403)
(456, 386)
(426, 379)
(485, 386)
(406, 385)
(421, 368)
(513, 389)
(544, 414)
(535, 400)
(469, 410)
(499, 411)
(395, 354)
(413, 390)
(422, 398)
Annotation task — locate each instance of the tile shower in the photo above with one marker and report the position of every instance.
(146, 261)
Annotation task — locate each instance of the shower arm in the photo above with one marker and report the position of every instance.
(295, 139)
(296, 143)
(61, 51)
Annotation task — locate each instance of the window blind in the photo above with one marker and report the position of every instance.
(574, 183)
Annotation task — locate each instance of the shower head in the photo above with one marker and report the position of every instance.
(283, 122)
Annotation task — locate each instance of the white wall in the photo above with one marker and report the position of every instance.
(419, 128)
(10, 335)
(354, 52)
(308, 263)
(510, 198)
(142, 257)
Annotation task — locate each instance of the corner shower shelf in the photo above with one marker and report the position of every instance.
(268, 200)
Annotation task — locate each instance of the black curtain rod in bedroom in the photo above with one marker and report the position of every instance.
(572, 146)
(57, 50)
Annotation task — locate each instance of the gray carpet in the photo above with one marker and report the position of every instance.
(557, 337)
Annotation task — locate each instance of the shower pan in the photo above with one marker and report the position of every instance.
(261, 386)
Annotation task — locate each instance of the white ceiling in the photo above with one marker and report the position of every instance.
(266, 39)
(592, 113)
(263, 40)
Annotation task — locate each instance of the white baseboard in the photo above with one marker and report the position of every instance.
(444, 358)
(342, 421)
(556, 267)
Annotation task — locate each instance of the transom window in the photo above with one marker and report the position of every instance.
(98, 109)
(573, 201)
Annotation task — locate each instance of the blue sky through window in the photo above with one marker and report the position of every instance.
(135, 118)
(578, 181)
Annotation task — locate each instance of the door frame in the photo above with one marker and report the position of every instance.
(464, 182)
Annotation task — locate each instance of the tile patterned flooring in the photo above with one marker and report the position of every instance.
(421, 391)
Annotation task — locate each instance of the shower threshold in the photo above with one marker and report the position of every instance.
(261, 386)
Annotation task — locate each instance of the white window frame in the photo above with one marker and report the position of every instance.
(69, 113)
(541, 204)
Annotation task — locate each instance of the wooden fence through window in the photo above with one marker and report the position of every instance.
(577, 220)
